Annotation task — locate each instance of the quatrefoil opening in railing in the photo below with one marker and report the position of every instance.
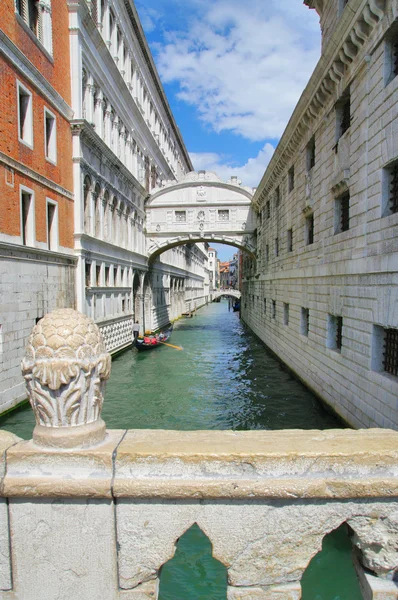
(65, 368)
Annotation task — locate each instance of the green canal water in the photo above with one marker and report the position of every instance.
(222, 379)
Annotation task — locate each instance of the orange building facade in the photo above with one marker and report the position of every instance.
(36, 186)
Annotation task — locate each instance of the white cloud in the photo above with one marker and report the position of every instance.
(250, 174)
(243, 65)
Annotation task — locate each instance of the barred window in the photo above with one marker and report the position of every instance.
(309, 229)
(223, 215)
(343, 115)
(390, 354)
(342, 213)
(390, 190)
(335, 332)
(181, 216)
(290, 179)
(285, 314)
(274, 309)
(268, 209)
(289, 239)
(276, 246)
(311, 154)
(391, 53)
(277, 196)
(305, 322)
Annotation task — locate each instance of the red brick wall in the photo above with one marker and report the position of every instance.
(57, 72)
(58, 75)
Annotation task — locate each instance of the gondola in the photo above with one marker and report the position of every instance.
(149, 342)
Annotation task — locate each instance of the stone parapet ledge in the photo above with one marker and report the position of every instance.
(334, 464)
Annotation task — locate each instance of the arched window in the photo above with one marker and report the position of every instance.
(97, 209)
(87, 202)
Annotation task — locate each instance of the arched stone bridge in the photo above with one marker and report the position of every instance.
(200, 208)
(231, 293)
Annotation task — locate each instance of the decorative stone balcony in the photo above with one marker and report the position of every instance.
(88, 513)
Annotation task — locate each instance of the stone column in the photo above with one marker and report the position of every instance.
(98, 113)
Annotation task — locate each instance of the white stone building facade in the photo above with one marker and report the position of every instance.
(126, 143)
(323, 294)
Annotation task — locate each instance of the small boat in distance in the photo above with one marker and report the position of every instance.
(148, 342)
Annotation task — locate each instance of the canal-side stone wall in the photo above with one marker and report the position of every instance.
(32, 283)
(100, 522)
(323, 294)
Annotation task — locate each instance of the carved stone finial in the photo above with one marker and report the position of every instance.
(65, 368)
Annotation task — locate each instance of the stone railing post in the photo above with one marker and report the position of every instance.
(65, 368)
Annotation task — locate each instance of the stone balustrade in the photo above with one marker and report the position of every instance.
(91, 514)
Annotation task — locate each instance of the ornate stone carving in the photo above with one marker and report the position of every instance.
(65, 368)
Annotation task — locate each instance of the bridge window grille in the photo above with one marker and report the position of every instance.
(267, 252)
(181, 216)
(276, 246)
(268, 209)
(265, 306)
(390, 354)
(289, 238)
(223, 215)
(309, 229)
(274, 309)
(290, 179)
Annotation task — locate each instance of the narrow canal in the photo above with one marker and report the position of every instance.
(223, 378)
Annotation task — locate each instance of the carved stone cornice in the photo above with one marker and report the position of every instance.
(328, 74)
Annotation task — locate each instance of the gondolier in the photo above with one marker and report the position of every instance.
(136, 331)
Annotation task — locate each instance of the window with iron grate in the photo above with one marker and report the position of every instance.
(309, 229)
(343, 116)
(290, 179)
(305, 322)
(268, 209)
(274, 309)
(276, 246)
(392, 176)
(335, 332)
(311, 154)
(342, 213)
(277, 196)
(289, 240)
(391, 54)
(390, 354)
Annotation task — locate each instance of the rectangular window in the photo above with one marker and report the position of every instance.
(311, 154)
(391, 54)
(50, 136)
(180, 216)
(385, 350)
(223, 215)
(289, 240)
(267, 253)
(52, 225)
(265, 306)
(27, 218)
(285, 314)
(390, 354)
(276, 246)
(98, 275)
(290, 179)
(343, 115)
(309, 229)
(335, 332)
(342, 213)
(277, 196)
(107, 280)
(390, 190)
(274, 309)
(25, 115)
(268, 210)
(305, 322)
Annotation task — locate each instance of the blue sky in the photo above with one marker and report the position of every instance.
(233, 71)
